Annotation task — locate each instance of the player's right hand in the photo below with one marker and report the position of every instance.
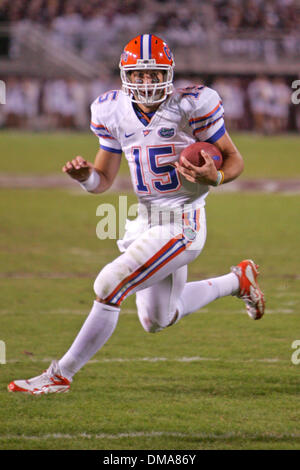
(205, 174)
(78, 168)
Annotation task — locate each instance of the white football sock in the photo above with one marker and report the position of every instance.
(96, 330)
(197, 294)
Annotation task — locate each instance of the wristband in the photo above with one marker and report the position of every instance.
(220, 178)
(92, 182)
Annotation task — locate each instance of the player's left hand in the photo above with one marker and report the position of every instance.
(205, 174)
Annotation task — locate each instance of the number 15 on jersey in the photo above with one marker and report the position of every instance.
(152, 173)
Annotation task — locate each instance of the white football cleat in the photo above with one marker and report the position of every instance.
(250, 292)
(50, 381)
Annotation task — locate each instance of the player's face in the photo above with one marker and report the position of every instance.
(149, 78)
(146, 76)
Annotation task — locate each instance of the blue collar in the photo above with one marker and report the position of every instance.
(145, 118)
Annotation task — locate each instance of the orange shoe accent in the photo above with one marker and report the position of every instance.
(250, 292)
(50, 381)
(12, 387)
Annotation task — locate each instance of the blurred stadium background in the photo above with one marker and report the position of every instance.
(56, 56)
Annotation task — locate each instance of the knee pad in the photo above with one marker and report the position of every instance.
(149, 325)
(148, 317)
(109, 277)
(152, 322)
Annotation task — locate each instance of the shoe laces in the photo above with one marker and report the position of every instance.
(41, 380)
(51, 373)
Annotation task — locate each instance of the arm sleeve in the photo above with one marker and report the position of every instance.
(106, 139)
(207, 117)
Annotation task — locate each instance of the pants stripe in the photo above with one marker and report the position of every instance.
(173, 255)
(171, 249)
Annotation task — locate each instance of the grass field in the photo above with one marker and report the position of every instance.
(215, 380)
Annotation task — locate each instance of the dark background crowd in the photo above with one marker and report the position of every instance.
(228, 34)
(159, 14)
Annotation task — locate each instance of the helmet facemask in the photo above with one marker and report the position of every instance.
(147, 93)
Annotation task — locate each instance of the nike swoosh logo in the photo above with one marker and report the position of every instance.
(129, 135)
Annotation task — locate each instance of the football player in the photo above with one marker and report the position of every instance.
(151, 123)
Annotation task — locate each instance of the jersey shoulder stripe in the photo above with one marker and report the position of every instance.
(101, 131)
(207, 126)
(206, 116)
(103, 123)
(217, 135)
(97, 126)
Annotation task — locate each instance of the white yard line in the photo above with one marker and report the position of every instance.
(158, 359)
(152, 434)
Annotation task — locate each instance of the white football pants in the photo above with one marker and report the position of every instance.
(154, 266)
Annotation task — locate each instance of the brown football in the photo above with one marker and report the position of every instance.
(193, 154)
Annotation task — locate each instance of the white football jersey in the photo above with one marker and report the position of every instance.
(188, 115)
